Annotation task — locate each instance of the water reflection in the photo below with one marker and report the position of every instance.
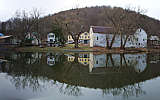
(138, 61)
(96, 61)
(116, 74)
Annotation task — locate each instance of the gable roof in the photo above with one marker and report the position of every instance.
(101, 29)
(154, 37)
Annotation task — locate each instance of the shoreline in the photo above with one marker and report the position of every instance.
(95, 49)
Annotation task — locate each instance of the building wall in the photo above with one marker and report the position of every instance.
(138, 40)
(91, 37)
(99, 40)
(153, 42)
(84, 36)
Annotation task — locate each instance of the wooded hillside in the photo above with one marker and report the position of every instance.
(97, 16)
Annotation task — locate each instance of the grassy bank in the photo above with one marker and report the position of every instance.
(83, 48)
(69, 47)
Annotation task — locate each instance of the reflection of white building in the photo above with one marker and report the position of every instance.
(50, 60)
(138, 61)
(97, 61)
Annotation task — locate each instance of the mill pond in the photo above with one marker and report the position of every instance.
(70, 76)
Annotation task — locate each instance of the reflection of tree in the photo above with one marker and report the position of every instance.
(69, 76)
(126, 62)
(126, 91)
(27, 81)
(24, 74)
(70, 90)
(34, 75)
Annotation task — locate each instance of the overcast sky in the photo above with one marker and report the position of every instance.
(9, 7)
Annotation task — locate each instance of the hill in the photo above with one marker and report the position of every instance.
(97, 16)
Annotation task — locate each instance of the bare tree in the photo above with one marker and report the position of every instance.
(25, 22)
(114, 17)
(124, 22)
(74, 26)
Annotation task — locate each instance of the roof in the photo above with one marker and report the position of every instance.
(101, 29)
(50, 33)
(4, 37)
(1, 34)
(154, 38)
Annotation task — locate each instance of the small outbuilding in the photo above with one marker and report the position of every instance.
(154, 41)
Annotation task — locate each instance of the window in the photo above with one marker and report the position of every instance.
(85, 56)
(85, 63)
(139, 30)
(139, 43)
(97, 37)
(85, 34)
(51, 36)
(143, 39)
(97, 62)
(82, 37)
(128, 39)
(88, 36)
(85, 37)
(51, 40)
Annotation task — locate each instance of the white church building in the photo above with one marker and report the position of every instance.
(99, 34)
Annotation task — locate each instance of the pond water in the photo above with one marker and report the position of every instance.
(80, 76)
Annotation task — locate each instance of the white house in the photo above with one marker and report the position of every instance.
(51, 38)
(98, 35)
